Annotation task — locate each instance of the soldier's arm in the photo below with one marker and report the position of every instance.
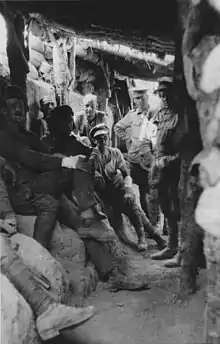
(121, 127)
(15, 151)
(122, 167)
(78, 123)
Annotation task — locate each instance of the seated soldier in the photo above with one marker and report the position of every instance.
(62, 139)
(39, 125)
(52, 318)
(85, 120)
(40, 177)
(102, 254)
(117, 190)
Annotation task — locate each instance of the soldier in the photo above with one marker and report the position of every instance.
(165, 169)
(117, 190)
(39, 125)
(52, 318)
(39, 176)
(133, 128)
(85, 120)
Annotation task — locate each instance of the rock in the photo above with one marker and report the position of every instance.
(68, 249)
(17, 318)
(40, 261)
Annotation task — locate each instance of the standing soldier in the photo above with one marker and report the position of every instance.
(138, 131)
(165, 169)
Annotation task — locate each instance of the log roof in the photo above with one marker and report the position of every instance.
(150, 26)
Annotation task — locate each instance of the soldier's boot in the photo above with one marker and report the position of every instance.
(126, 280)
(172, 246)
(142, 243)
(52, 317)
(152, 233)
(175, 262)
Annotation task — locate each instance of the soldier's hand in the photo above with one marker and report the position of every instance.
(72, 161)
(9, 224)
(129, 196)
(8, 173)
(99, 180)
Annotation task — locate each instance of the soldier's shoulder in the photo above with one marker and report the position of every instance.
(101, 113)
(115, 151)
(79, 113)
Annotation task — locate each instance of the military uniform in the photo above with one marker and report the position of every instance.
(113, 168)
(132, 128)
(83, 126)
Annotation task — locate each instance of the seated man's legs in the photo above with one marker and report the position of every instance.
(45, 207)
(104, 255)
(51, 316)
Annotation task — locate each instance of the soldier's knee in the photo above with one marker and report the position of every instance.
(48, 203)
(7, 254)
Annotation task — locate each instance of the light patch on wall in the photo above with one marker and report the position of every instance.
(3, 35)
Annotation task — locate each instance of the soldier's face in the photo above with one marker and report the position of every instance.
(101, 141)
(47, 108)
(90, 109)
(140, 100)
(16, 112)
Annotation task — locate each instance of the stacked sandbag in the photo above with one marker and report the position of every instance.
(36, 49)
(76, 101)
(41, 57)
(33, 73)
(17, 318)
(41, 263)
(69, 250)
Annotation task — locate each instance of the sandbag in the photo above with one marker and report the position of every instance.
(36, 58)
(36, 44)
(37, 28)
(17, 318)
(33, 73)
(45, 68)
(76, 101)
(40, 261)
(68, 249)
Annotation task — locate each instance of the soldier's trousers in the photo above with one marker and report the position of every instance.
(115, 198)
(44, 199)
(149, 198)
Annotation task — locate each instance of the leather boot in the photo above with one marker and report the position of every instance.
(52, 317)
(175, 262)
(142, 243)
(120, 280)
(171, 250)
(152, 233)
